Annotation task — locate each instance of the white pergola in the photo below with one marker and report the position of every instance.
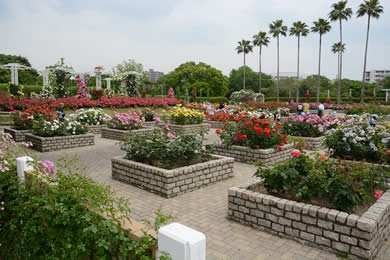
(46, 72)
(108, 82)
(98, 73)
(14, 68)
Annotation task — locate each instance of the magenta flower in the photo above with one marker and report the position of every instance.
(378, 194)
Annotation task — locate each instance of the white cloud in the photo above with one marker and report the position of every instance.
(108, 32)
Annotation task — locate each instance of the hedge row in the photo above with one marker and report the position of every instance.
(28, 89)
(346, 100)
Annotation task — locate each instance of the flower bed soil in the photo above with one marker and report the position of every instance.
(170, 183)
(48, 144)
(245, 154)
(329, 229)
(17, 135)
(117, 134)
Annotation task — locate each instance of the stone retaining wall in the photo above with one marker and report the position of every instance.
(120, 135)
(17, 135)
(190, 129)
(95, 129)
(329, 229)
(170, 183)
(218, 124)
(48, 144)
(313, 143)
(245, 154)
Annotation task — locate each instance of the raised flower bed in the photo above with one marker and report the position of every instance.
(189, 129)
(17, 135)
(311, 128)
(117, 134)
(187, 121)
(337, 207)
(251, 139)
(92, 118)
(54, 143)
(170, 183)
(169, 164)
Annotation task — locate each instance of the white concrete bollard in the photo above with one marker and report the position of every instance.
(22, 166)
(181, 242)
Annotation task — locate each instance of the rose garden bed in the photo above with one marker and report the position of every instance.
(117, 134)
(48, 144)
(189, 129)
(170, 183)
(245, 154)
(330, 229)
(17, 135)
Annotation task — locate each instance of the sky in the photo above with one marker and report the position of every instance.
(162, 34)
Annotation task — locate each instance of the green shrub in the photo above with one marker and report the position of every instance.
(213, 100)
(341, 185)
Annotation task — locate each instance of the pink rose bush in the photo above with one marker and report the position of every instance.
(125, 121)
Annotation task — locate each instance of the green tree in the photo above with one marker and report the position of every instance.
(28, 77)
(310, 84)
(236, 76)
(245, 47)
(371, 8)
(299, 29)
(200, 77)
(338, 48)
(321, 26)
(276, 29)
(340, 12)
(122, 70)
(261, 39)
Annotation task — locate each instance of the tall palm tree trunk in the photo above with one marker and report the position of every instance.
(277, 72)
(340, 66)
(298, 71)
(319, 70)
(365, 62)
(260, 70)
(244, 71)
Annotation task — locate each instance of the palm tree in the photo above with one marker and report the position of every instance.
(299, 29)
(321, 26)
(340, 12)
(261, 39)
(371, 8)
(245, 47)
(338, 48)
(277, 28)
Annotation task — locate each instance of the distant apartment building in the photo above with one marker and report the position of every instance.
(376, 75)
(288, 75)
(154, 75)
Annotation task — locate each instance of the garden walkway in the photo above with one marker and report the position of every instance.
(204, 210)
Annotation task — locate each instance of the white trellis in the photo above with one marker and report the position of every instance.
(98, 75)
(46, 72)
(14, 68)
(108, 82)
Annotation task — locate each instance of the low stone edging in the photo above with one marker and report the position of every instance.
(170, 183)
(95, 129)
(313, 143)
(190, 129)
(117, 134)
(17, 135)
(245, 154)
(48, 144)
(325, 228)
(218, 124)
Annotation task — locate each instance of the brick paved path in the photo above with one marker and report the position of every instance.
(204, 209)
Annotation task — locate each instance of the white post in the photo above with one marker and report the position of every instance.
(22, 166)
(98, 80)
(45, 78)
(328, 93)
(350, 92)
(108, 82)
(16, 75)
(387, 96)
(181, 242)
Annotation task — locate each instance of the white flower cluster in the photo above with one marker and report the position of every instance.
(92, 116)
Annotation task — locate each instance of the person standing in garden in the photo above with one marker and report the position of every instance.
(372, 120)
(306, 107)
(299, 109)
(320, 110)
(60, 112)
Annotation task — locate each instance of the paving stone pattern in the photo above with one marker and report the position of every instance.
(203, 209)
(329, 229)
(48, 144)
(17, 135)
(170, 183)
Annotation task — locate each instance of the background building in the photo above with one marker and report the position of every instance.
(376, 75)
(154, 75)
(288, 75)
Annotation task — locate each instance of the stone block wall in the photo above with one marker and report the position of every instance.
(245, 154)
(217, 124)
(48, 144)
(17, 135)
(313, 143)
(95, 129)
(329, 229)
(120, 135)
(190, 129)
(170, 183)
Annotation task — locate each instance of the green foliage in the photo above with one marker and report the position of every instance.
(60, 82)
(213, 100)
(251, 79)
(16, 90)
(26, 77)
(163, 149)
(342, 185)
(203, 78)
(370, 109)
